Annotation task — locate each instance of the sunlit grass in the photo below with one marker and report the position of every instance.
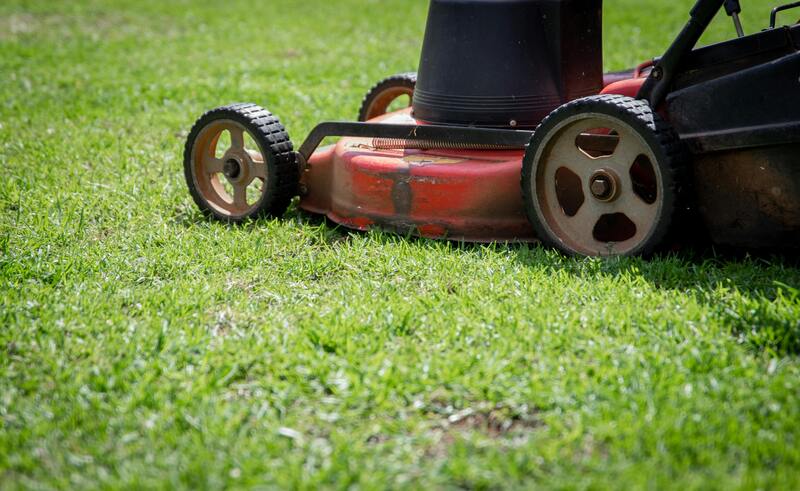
(144, 346)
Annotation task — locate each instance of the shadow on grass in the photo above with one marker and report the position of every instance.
(756, 295)
(329, 232)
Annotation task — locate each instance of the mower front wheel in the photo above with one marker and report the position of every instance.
(239, 163)
(384, 93)
(603, 176)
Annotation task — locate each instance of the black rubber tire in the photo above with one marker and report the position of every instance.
(276, 148)
(406, 80)
(658, 134)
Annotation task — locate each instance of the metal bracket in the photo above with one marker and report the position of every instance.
(491, 137)
(733, 8)
(656, 87)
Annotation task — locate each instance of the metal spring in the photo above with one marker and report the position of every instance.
(401, 143)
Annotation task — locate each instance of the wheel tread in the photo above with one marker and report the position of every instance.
(282, 185)
(407, 79)
(674, 170)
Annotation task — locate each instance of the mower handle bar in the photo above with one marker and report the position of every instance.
(773, 16)
(656, 87)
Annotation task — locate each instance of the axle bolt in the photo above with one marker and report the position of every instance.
(657, 73)
(601, 187)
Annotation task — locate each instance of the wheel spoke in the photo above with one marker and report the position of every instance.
(582, 226)
(240, 196)
(258, 170)
(625, 183)
(581, 165)
(628, 148)
(565, 153)
(566, 147)
(642, 215)
(237, 138)
(212, 165)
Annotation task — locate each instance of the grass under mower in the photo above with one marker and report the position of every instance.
(609, 164)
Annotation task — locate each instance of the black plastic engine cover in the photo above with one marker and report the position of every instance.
(507, 62)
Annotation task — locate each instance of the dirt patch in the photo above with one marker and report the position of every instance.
(494, 423)
(508, 425)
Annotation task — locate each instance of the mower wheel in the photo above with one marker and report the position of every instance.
(239, 163)
(603, 176)
(381, 96)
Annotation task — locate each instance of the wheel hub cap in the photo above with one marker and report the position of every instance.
(232, 168)
(603, 185)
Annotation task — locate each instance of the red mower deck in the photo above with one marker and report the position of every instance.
(465, 195)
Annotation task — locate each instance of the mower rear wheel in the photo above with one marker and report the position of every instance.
(380, 97)
(602, 177)
(239, 163)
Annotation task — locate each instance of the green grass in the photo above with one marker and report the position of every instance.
(144, 346)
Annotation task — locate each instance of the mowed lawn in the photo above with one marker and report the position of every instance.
(142, 345)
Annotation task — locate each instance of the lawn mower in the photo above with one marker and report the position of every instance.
(512, 92)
